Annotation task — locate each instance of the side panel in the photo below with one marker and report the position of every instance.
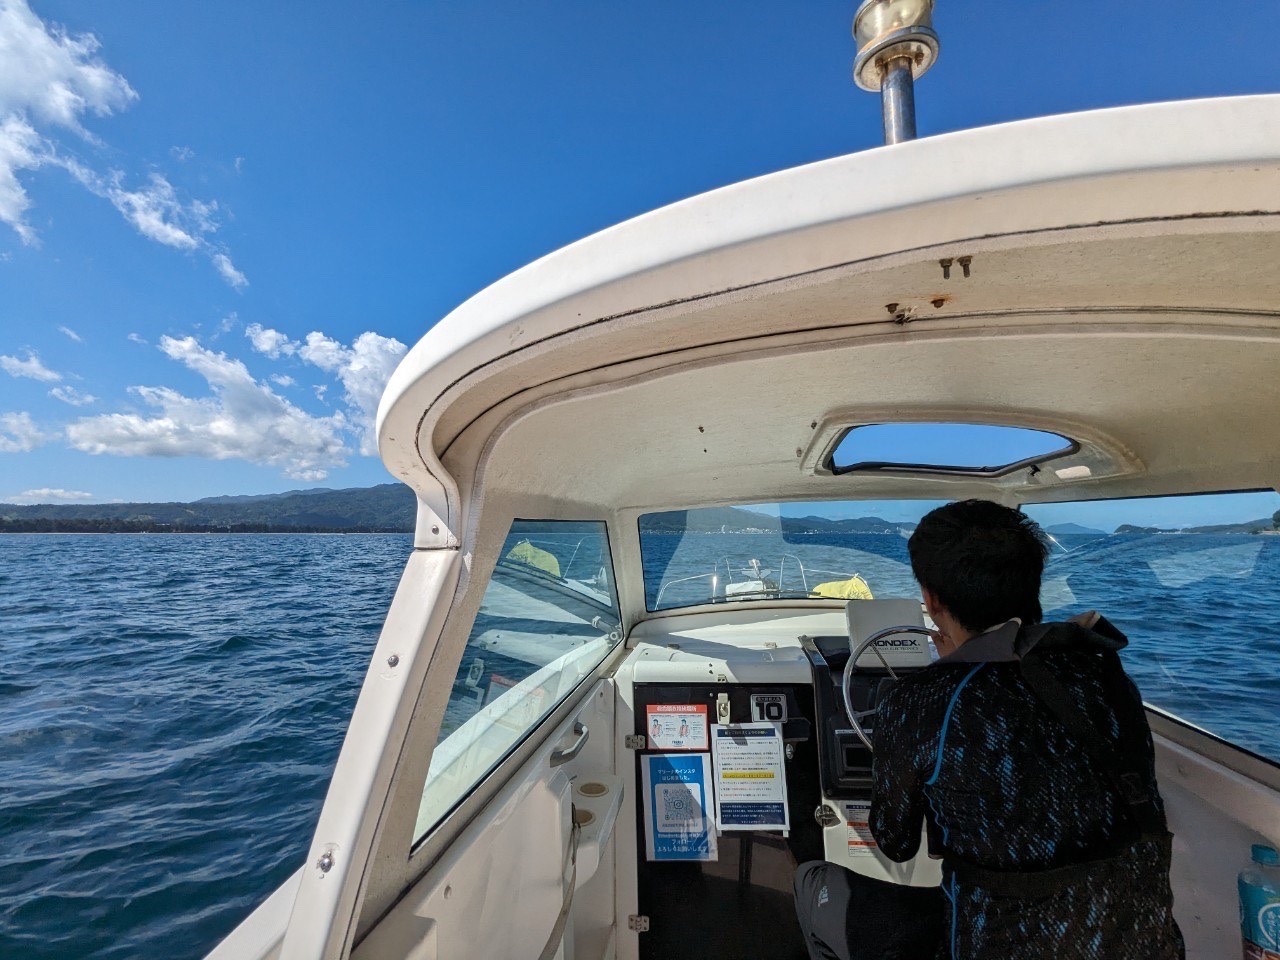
(1219, 801)
(260, 935)
(501, 885)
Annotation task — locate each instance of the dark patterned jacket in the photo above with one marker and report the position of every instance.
(1004, 788)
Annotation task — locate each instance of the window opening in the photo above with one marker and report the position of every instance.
(548, 617)
(966, 448)
(767, 551)
(1192, 581)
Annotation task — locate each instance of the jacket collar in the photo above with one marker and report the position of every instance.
(1010, 641)
(994, 645)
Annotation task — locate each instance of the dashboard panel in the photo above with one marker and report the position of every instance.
(753, 665)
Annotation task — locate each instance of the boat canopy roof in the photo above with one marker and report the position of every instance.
(1107, 276)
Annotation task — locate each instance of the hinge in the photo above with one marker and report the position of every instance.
(638, 922)
(635, 741)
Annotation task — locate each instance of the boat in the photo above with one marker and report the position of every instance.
(1105, 277)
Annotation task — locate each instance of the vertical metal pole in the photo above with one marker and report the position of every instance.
(898, 99)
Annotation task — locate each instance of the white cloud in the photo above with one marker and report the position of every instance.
(48, 495)
(31, 368)
(182, 154)
(154, 211)
(50, 80)
(157, 212)
(52, 75)
(138, 339)
(18, 433)
(241, 419)
(227, 270)
(363, 368)
(244, 418)
(268, 341)
(72, 334)
(21, 148)
(72, 396)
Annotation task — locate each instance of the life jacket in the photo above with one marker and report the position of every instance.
(1125, 764)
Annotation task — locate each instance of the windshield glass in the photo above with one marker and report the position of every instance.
(1190, 580)
(770, 551)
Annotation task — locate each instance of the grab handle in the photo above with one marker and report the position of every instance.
(580, 730)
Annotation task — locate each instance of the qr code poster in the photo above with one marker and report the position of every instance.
(678, 824)
(678, 808)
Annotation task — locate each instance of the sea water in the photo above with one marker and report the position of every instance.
(171, 706)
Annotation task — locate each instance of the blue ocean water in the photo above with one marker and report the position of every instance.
(171, 706)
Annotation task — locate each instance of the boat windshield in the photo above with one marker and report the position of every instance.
(1189, 579)
(812, 550)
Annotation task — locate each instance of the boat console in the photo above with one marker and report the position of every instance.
(720, 680)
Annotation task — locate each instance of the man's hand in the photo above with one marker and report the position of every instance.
(943, 643)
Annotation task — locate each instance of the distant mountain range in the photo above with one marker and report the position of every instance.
(1251, 526)
(387, 508)
(738, 520)
(391, 508)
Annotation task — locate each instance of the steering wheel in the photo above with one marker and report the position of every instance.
(851, 670)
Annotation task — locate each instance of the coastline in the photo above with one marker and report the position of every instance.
(204, 533)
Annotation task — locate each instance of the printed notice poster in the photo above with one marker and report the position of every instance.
(751, 785)
(677, 726)
(677, 823)
(857, 818)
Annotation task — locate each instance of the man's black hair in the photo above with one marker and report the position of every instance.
(982, 561)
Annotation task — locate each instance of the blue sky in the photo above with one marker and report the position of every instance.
(222, 223)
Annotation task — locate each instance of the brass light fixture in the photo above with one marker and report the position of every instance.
(896, 45)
